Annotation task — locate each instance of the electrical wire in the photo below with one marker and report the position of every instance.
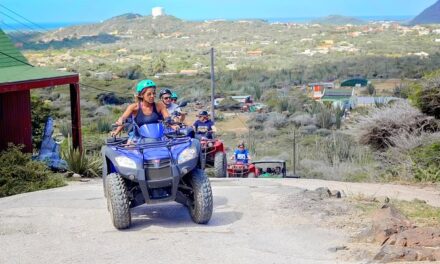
(35, 24)
(32, 29)
(17, 36)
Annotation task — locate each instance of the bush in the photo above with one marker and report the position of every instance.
(19, 173)
(276, 120)
(426, 162)
(427, 96)
(302, 120)
(112, 99)
(381, 124)
(132, 72)
(103, 125)
(66, 129)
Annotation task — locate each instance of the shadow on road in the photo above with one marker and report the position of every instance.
(174, 215)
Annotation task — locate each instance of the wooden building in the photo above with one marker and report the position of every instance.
(17, 78)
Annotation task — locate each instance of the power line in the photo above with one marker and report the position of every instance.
(32, 29)
(22, 17)
(16, 30)
(100, 89)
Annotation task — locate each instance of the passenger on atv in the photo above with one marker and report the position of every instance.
(204, 127)
(174, 109)
(144, 111)
(241, 154)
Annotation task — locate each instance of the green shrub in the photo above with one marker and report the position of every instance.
(102, 125)
(426, 162)
(426, 96)
(81, 163)
(19, 173)
(66, 129)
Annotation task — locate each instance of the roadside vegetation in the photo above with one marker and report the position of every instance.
(19, 173)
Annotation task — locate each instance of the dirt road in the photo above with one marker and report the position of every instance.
(72, 225)
(255, 221)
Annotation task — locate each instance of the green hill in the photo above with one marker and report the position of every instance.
(338, 20)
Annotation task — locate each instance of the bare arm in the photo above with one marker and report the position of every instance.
(130, 109)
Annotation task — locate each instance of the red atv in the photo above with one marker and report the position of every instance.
(242, 170)
(215, 156)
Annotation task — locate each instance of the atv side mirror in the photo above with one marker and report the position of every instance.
(183, 104)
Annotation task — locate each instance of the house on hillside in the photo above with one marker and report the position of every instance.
(343, 98)
(317, 89)
(17, 78)
(355, 82)
(255, 53)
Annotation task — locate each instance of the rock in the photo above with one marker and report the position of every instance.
(397, 253)
(76, 176)
(335, 193)
(388, 221)
(419, 237)
(323, 192)
(338, 248)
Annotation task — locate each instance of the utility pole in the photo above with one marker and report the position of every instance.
(212, 86)
(294, 153)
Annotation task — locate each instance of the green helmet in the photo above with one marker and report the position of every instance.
(144, 84)
(174, 95)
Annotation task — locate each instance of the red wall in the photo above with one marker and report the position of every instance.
(15, 119)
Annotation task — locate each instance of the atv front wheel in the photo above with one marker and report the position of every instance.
(200, 204)
(220, 165)
(117, 201)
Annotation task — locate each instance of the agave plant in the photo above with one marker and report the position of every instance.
(80, 162)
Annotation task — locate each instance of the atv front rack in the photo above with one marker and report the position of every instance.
(122, 144)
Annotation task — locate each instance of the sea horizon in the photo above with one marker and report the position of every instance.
(56, 25)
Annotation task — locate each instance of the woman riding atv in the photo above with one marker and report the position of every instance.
(145, 110)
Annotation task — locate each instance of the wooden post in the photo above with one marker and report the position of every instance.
(76, 115)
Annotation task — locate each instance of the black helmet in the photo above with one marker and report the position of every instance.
(203, 113)
(164, 91)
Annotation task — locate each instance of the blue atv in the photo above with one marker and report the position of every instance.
(161, 166)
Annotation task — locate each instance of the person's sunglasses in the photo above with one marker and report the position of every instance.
(166, 98)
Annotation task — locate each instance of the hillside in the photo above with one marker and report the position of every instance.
(127, 24)
(431, 15)
(338, 20)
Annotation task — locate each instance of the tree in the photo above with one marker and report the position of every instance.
(159, 65)
(371, 89)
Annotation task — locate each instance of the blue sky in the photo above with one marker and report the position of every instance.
(43, 11)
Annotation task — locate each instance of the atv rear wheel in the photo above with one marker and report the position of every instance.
(117, 201)
(220, 165)
(200, 204)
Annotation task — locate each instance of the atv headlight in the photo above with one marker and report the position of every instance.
(125, 162)
(187, 154)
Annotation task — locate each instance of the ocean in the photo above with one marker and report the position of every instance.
(55, 25)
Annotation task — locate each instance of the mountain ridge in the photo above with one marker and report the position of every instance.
(430, 15)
